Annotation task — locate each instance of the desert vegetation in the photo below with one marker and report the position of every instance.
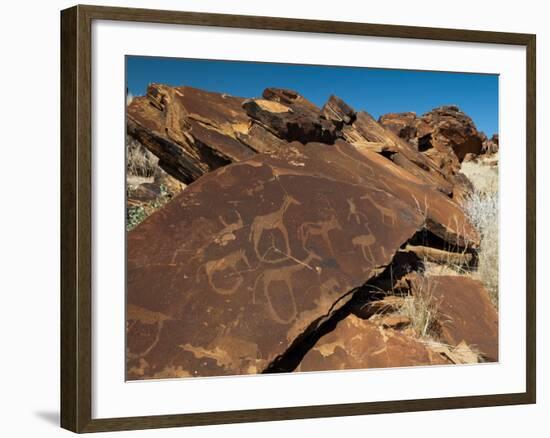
(482, 206)
(148, 187)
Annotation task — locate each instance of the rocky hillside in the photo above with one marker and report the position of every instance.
(289, 237)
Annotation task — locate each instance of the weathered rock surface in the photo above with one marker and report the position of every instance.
(451, 130)
(292, 219)
(231, 287)
(357, 343)
(193, 132)
(490, 145)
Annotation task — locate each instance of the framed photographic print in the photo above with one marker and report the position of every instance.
(267, 218)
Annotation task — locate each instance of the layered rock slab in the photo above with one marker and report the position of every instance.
(191, 131)
(366, 133)
(226, 276)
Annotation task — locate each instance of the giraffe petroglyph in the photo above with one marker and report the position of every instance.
(272, 221)
(365, 242)
(385, 212)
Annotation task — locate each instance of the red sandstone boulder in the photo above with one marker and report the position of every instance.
(224, 278)
(451, 130)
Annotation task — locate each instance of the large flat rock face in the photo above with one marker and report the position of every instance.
(224, 278)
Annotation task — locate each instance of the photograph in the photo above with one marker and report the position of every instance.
(295, 218)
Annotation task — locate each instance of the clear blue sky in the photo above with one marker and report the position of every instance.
(377, 91)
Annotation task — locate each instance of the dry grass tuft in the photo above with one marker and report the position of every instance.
(420, 308)
(139, 161)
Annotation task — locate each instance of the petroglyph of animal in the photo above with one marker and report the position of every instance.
(277, 281)
(269, 222)
(385, 212)
(365, 242)
(140, 315)
(322, 229)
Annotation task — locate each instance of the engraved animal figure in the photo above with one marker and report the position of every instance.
(272, 221)
(385, 212)
(278, 275)
(228, 263)
(309, 229)
(365, 241)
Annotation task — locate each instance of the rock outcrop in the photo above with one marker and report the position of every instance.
(191, 131)
(447, 137)
(445, 134)
(401, 124)
(194, 132)
(295, 222)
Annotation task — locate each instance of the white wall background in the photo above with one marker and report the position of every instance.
(29, 215)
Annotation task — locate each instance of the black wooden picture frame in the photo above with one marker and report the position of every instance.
(76, 205)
